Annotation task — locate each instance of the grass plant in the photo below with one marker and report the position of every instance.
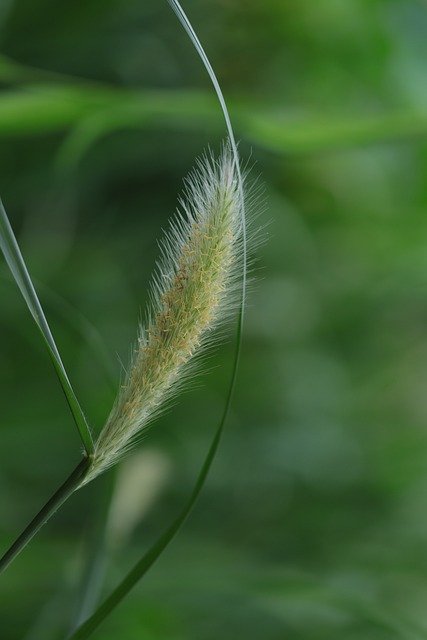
(200, 278)
(311, 524)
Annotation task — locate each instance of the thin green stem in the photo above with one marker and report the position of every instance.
(58, 498)
(182, 17)
(141, 568)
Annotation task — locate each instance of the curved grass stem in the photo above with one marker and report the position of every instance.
(141, 568)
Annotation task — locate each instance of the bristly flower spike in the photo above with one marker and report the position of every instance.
(195, 286)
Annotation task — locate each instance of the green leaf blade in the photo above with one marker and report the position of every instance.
(18, 268)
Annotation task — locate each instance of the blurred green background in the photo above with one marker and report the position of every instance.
(313, 522)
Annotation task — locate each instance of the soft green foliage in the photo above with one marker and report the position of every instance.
(312, 526)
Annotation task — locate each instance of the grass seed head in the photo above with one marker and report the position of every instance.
(192, 292)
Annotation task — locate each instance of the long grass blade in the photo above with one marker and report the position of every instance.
(182, 17)
(141, 568)
(15, 261)
(150, 557)
(90, 112)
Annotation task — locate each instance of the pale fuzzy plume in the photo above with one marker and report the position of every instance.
(194, 288)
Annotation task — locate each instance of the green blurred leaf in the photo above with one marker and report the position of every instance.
(15, 261)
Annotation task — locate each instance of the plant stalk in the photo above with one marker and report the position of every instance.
(58, 498)
(86, 629)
